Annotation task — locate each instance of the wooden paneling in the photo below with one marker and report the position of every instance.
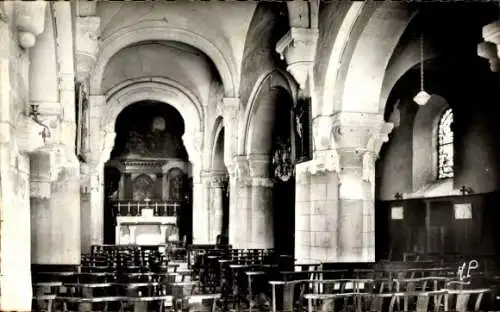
(429, 226)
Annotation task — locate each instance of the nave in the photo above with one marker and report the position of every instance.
(360, 137)
(221, 278)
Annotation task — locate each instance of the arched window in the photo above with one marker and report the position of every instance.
(445, 145)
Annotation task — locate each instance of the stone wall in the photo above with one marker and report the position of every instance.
(15, 239)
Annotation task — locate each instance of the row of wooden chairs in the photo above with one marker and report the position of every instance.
(390, 276)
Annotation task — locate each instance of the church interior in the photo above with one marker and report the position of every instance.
(249, 156)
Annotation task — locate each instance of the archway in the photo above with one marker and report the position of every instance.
(219, 216)
(270, 148)
(148, 169)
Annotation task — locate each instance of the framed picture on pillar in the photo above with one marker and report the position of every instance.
(302, 124)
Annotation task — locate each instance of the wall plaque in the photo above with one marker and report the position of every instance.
(397, 213)
(463, 211)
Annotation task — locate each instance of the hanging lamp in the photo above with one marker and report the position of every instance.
(422, 97)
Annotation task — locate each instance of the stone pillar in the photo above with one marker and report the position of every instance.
(19, 137)
(239, 221)
(98, 147)
(316, 208)
(261, 210)
(316, 204)
(216, 211)
(15, 229)
(55, 206)
(92, 205)
(201, 200)
(358, 139)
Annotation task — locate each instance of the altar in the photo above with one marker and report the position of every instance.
(146, 229)
(147, 205)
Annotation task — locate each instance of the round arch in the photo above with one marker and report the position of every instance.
(159, 30)
(425, 126)
(180, 98)
(350, 20)
(217, 129)
(381, 36)
(279, 79)
(378, 28)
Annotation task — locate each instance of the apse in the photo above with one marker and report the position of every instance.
(148, 196)
(149, 129)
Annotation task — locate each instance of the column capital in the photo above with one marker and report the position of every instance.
(86, 43)
(218, 179)
(298, 47)
(360, 132)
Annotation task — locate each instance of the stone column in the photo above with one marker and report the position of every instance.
(237, 179)
(201, 200)
(15, 244)
(239, 221)
(358, 138)
(261, 210)
(92, 205)
(98, 146)
(55, 206)
(216, 211)
(316, 209)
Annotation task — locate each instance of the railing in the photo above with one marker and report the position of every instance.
(134, 208)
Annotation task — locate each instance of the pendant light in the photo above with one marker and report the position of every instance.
(422, 97)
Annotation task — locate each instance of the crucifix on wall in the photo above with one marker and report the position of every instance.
(302, 129)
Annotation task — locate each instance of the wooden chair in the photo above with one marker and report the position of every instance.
(141, 303)
(417, 301)
(462, 299)
(289, 297)
(329, 301)
(44, 302)
(329, 291)
(203, 302)
(75, 303)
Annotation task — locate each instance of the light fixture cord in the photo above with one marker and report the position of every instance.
(422, 60)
